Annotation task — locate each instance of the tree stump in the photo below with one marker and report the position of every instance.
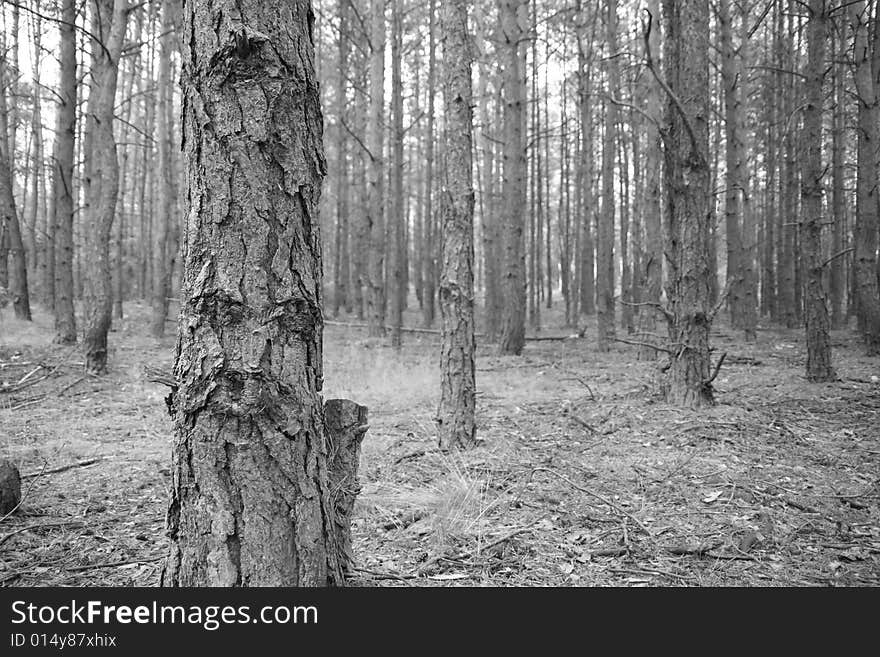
(10, 487)
(346, 425)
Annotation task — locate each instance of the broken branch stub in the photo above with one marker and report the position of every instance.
(346, 424)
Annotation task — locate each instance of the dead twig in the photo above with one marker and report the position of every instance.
(113, 564)
(27, 528)
(63, 468)
(602, 499)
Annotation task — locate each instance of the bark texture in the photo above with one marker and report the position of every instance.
(688, 211)
(251, 500)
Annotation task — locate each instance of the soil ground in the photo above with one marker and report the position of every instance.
(583, 476)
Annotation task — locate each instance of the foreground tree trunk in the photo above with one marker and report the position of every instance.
(513, 313)
(687, 179)
(111, 17)
(455, 417)
(251, 502)
(62, 183)
(816, 310)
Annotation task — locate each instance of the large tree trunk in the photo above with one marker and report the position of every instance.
(376, 300)
(687, 178)
(62, 183)
(455, 416)
(817, 322)
(251, 500)
(513, 314)
(867, 197)
(110, 19)
(605, 236)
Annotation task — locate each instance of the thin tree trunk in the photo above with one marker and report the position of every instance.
(817, 323)
(104, 185)
(427, 256)
(376, 300)
(455, 416)
(512, 47)
(587, 301)
(163, 259)
(62, 183)
(14, 246)
(868, 199)
(605, 247)
(397, 209)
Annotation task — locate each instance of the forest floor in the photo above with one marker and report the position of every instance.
(582, 476)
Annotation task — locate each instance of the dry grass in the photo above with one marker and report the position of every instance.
(582, 476)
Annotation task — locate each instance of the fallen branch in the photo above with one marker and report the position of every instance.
(637, 343)
(62, 523)
(113, 564)
(63, 468)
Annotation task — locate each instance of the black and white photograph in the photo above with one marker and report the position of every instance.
(433, 294)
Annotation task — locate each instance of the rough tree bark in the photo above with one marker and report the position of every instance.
(253, 500)
(816, 310)
(688, 213)
(455, 416)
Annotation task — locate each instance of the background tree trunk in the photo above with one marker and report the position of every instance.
(867, 196)
(817, 322)
(111, 17)
(62, 183)
(376, 171)
(605, 237)
(455, 416)
(512, 45)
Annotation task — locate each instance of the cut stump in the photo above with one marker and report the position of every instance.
(10, 487)
(346, 425)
